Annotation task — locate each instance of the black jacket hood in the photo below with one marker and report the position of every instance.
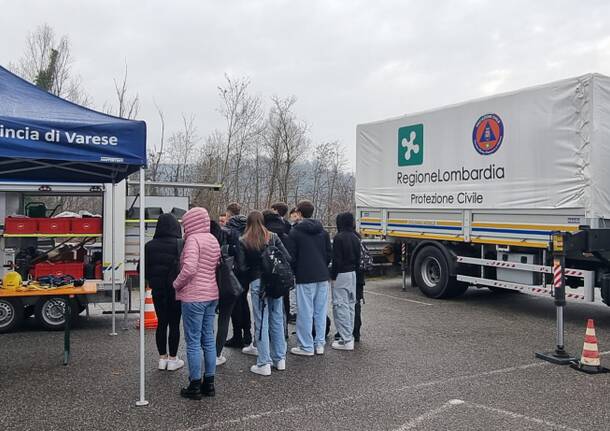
(237, 222)
(168, 227)
(309, 226)
(345, 222)
(275, 223)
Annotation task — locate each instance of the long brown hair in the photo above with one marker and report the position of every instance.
(256, 234)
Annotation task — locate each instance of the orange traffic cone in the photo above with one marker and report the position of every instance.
(589, 361)
(150, 317)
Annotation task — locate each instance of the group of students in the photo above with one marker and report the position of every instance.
(182, 274)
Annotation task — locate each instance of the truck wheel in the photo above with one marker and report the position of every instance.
(50, 311)
(431, 272)
(11, 314)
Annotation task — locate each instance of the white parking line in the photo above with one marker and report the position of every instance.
(369, 292)
(304, 407)
(415, 422)
(515, 415)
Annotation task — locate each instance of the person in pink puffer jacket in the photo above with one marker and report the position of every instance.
(197, 289)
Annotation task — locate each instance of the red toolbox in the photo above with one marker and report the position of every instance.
(20, 225)
(98, 271)
(86, 225)
(54, 226)
(75, 269)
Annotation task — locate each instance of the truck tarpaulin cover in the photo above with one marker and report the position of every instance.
(43, 137)
(546, 147)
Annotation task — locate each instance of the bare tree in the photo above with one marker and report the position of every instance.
(181, 151)
(286, 142)
(128, 105)
(47, 62)
(244, 123)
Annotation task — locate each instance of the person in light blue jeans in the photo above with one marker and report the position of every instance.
(197, 289)
(311, 251)
(268, 312)
(312, 300)
(198, 318)
(269, 335)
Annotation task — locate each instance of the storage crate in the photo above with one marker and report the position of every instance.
(98, 271)
(20, 225)
(54, 226)
(86, 225)
(75, 269)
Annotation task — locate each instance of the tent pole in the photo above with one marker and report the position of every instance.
(112, 257)
(142, 401)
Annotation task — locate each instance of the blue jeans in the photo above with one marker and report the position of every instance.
(269, 316)
(312, 304)
(198, 321)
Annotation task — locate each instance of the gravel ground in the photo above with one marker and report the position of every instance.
(463, 364)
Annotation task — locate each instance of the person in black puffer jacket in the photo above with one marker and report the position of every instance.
(234, 229)
(162, 264)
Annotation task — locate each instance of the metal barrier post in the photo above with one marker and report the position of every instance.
(559, 355)
(403, 264)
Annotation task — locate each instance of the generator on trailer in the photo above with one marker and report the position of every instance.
(474, 192)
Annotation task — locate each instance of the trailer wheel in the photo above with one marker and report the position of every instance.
(11, 314)
(431, 272)
(50, 311)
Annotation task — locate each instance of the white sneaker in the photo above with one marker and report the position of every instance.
(220, 360)
(319, 350)
(250, 350)
(280, 365)
(342, 345)
(162, 363)
(174, 364)
(300, 352)
(263, 370)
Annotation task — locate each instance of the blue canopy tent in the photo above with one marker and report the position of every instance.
(44, 139)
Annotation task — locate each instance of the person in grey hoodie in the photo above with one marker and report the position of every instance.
(346, 260)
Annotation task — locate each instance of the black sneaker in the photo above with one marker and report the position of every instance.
(337, 336)
(235, 343)
(193, 391)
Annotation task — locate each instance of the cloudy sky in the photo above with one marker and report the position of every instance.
(348, 62)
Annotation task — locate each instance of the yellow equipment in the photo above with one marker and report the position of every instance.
(11, 281)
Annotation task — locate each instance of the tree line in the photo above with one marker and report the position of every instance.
(263, 152)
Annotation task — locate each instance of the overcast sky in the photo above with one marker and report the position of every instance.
(348, 62)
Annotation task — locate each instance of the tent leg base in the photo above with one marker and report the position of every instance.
(141, 403)
(556, 357)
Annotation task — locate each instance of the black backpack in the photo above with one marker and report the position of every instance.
(277, 277)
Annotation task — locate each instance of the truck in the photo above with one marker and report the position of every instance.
(481, 193)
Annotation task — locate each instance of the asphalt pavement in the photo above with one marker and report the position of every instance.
(422, 364)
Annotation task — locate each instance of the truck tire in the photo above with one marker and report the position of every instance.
(431, 272)
(11, 314)
(50, 310)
